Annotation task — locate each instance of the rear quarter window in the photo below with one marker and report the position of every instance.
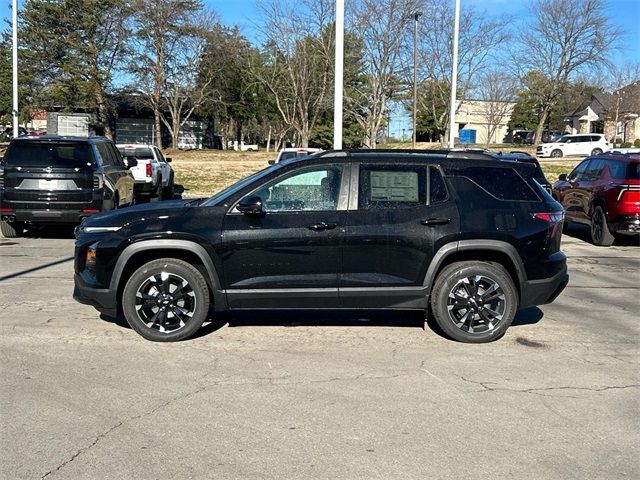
(501, 183)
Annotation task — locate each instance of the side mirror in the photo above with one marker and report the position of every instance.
(562, 177)
(130, 162)
(168, 159)
(251, 205)
(271, 162)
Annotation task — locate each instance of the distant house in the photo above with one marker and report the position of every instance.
(614, 114)
(488, 118)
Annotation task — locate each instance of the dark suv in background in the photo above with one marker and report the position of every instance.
(603, 192)
(55, 179)
(468, 236)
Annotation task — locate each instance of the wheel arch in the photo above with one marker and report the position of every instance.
(496, 251)
(139, 253)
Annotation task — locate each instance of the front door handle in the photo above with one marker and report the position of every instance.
(317, 227)
(431, 222)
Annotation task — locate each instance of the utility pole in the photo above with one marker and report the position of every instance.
(14, 40)
(454, 75)
(416, 15)
(339, 75)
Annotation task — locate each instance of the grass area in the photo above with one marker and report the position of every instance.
(204, 172)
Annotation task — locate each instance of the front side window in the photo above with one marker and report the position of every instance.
(578, 172)
(392, 186)
(315, 189)
(594, 170)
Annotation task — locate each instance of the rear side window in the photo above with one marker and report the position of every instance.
(49, 154)
(105, 155)
(392, 186)
(501, 183)
(622, 170)
(437, 188)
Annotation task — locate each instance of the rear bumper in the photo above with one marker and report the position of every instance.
(144, 187)
(540, 292)
(53, 215)
(102, 299)
(626, 224)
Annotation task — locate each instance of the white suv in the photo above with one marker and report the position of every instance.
(581, 144)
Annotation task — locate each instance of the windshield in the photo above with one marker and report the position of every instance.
(48, 154)
(221, 196)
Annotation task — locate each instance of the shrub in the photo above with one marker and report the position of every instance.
(636, 143)
(626, 145)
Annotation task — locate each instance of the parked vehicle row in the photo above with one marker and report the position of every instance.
(466, 235)
(61, 180)
(603, 192)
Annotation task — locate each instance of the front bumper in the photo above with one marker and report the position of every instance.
(541, 292)
(102, 299)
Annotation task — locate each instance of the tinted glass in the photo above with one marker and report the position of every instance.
(501, 183)
(437, 188)
(564, 139)
(105, 155)
(140, 153)
(315, 189)
(289, 155)
(49, 154)
(622, 170)
(594, 170)
(392, 186)
(578, 171)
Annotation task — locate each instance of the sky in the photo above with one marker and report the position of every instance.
(245, 14)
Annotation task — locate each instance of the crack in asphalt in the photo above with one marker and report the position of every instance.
(256, 381)
(488, 387)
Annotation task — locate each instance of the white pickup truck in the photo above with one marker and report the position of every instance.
(153, 174)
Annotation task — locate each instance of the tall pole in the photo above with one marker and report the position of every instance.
(454, 75)
(14, 40)
(416, 15)
(339, 71)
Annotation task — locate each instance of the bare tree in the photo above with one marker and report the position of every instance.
(381, 25)
(498, 91)
(479, 43)
(161, 27)
(296, 64)
(564, 38)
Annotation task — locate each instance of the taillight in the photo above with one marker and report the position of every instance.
(1, 178)
(549, 217)
(632, 193)
(149, 173)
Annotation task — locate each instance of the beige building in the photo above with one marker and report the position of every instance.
(614, 114)
(488, 118)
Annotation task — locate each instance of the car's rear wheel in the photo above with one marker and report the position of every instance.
(474, 301)
(11, 230)
(166, 300)
(596, 151)
(557, 153)
(600, 233)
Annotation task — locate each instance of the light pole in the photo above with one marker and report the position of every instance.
(339, 74)
(14, 40)
(416, 15)
(454, 75)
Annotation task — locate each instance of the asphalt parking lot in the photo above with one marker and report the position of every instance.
(319, 395)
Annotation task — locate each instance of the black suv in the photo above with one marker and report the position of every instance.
(470, 236)
(55, 179)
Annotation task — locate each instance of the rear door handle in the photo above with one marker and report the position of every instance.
(430, 222)
(317, 227)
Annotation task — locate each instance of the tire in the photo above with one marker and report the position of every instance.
(151, 318)
(600, 233)
(11, 230)
(167, 192)
(596, 151)
(481, 322)
(557, 153)
(158, 192)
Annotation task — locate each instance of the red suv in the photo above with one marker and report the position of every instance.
(603, 192)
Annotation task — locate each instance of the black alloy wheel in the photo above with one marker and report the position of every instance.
(474, 301)
(600, 233)
(166, 300)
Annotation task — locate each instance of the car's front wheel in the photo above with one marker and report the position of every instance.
(166, 300)
(557, 153)
(474, 301)
(600, 233)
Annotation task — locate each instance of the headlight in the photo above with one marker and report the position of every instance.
(100, 229)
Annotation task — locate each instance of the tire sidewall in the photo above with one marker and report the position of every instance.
(448, 279)
(196, 282)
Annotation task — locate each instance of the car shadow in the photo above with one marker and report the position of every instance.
(582, 232)
(327, 318)
(63, 231)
